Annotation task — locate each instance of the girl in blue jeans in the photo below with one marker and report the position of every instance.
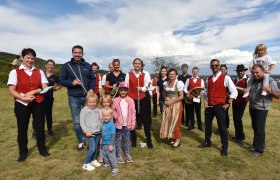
(91, 126)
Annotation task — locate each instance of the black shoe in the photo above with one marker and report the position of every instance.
(44, 153)
(50, 133)
(22, 157)
(190, 128)
(239, 141)
(150, 145)
(133, 144)
(205, 145)
(223, 152)
(255, 153)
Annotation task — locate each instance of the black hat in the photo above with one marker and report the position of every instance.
(241, 67)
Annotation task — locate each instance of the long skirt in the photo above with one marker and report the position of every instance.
(171, 121)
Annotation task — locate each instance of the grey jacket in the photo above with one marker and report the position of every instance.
(90, 120)
(257, 101)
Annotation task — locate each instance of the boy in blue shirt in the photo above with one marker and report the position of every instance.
(108, 141)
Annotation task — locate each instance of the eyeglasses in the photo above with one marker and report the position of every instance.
(215, 65)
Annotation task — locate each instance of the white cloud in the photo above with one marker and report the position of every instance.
(233, 56)
(143, 29)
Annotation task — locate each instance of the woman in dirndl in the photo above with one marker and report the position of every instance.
(172, 112)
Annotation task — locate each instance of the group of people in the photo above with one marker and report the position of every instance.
(102, 119)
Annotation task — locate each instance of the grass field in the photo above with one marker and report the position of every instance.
(162, 162)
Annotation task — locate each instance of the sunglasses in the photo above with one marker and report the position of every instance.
(215, 65)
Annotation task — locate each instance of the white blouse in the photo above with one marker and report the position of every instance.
(180, 86)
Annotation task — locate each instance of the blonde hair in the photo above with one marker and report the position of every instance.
(107, 110)
(259, 46)
(92, 96)
(106, 96)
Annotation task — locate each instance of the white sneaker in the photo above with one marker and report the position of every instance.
(95, 163)
(264, 93)
(245, 95)
(88, 167)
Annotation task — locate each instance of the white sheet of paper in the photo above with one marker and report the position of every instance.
(197, 100)
(46, 89)
(151, 88)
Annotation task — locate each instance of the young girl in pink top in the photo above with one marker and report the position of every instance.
(125, 120)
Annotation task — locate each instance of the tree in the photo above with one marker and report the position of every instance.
(159, 61)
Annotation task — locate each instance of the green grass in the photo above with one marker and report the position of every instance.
(162, 162)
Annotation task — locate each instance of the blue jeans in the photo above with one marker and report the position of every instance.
(109, 157)
(76, 104)
(93, 142)
(126, 133)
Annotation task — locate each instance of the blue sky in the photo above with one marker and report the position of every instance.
(191, 31)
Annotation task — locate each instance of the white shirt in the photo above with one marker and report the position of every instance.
(194, 80)
(265, 61)
(13, 75)
(180, 86)
(100, 81)
(147, 79)
(103, 81)
(228, 83)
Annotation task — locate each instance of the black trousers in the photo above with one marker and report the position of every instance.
(186, 114)
(48, 110)
(218, 112)
(258, 124)
(195, 108)
(144, 117)
(155, 104)
(238, 109)
(23, 114)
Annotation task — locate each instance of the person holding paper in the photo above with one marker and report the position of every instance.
(195, 95)
(25, 84)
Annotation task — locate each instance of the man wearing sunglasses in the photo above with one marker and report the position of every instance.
(216, 104)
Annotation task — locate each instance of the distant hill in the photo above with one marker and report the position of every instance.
(6, 59)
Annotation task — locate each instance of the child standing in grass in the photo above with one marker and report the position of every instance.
(91, 126)
(106, 102)
(125, 120)
(108, 141)
(261, 57)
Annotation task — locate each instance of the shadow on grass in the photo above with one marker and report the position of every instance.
(60, 131)
(244, 145)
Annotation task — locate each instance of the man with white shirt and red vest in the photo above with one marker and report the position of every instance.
(139, 81)
(195, 94)
(239, 104)
(216, 104)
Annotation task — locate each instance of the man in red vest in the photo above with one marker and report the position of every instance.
(195, 106)
(239, 104)
(216, 104)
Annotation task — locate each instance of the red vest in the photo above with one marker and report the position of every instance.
(217, 92)
(154, 83)
(133, 84)
(242, 83)
(107, 90)
(96, 89)
(26, 83)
